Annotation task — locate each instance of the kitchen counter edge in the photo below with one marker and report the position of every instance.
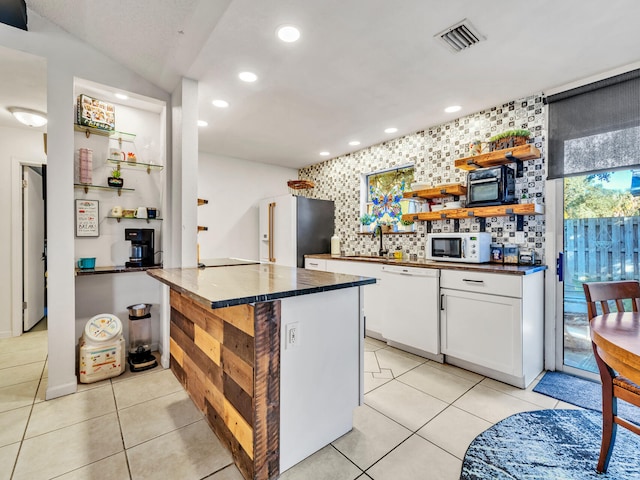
(469, 267)
(203, 292)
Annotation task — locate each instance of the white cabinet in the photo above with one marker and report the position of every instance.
(412, 325)
(375, 300)
(315, 264)
(493, 324)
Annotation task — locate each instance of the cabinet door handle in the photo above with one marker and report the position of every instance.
(477, 282)
(442, 301)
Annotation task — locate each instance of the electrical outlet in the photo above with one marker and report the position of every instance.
(292, 335)
(520, 237)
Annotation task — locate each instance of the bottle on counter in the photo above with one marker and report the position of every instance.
(335, 245)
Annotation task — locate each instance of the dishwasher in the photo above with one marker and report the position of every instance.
(413, 309)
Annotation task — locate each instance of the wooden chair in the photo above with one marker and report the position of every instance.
(614, 386)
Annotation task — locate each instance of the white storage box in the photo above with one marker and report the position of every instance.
(102, 351)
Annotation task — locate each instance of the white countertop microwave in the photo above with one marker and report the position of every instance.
(467, 247)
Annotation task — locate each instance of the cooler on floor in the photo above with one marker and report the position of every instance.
(102, 353)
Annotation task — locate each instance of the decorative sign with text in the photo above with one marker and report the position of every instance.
(87, 215)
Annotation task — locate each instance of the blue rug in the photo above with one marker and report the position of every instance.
(581, 392)
(549, 444)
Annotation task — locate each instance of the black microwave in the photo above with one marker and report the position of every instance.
(491, 186)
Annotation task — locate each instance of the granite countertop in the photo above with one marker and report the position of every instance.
(469, 267)
(241, 284)
(81, 272)
(225, 262)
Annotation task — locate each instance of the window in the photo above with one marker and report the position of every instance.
(382, 200)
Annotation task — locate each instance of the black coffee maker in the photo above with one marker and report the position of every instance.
(142, 252)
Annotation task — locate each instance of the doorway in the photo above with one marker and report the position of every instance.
(601, 221)
(34, 238)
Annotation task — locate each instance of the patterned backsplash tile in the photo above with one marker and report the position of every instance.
(433, 151)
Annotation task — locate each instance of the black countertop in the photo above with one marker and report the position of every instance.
(510, 269)
(227, 286)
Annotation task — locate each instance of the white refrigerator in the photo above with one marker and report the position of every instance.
(292, 227)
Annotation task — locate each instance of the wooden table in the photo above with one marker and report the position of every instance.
(617, 336)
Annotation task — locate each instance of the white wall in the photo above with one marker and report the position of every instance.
(234, 188)
(15, 143)
(66, 58)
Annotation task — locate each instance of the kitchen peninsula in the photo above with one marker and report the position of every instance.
(271, 355)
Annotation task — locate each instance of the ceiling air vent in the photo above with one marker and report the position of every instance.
(460, 36)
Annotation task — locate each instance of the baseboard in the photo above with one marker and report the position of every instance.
(62, 390)
(6, 334)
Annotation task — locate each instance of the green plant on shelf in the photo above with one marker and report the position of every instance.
(510, 133)
(367, 219)
(115, 173)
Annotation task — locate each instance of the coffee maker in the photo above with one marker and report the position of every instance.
(142, 252)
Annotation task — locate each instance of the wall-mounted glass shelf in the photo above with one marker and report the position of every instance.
(86, 187)
(114, 134)
(133, 218)
(148, 166)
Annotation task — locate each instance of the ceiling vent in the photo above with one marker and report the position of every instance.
(460, 36)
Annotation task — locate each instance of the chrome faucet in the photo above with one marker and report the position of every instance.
(382, 252)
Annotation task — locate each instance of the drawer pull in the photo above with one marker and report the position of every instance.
(477, 282)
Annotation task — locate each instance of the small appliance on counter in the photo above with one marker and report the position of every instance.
(466, 247)
(142, 248)
(101, 349)
(491, 186)
(140, 356)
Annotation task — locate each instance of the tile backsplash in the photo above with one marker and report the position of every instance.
(433, 151)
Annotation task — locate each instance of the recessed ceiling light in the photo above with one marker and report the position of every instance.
(453, 109)
(325, 154)
(288, 33)
(121, 96)
(202, 123)
(390, 130)
(220, 103)
(353, 143)
(247, 76)
(31, 118)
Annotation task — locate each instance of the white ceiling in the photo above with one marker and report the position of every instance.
(360, 66)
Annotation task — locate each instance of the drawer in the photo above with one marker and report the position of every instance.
(489, 283)
(315, 264)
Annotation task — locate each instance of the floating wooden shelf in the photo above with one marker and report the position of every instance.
(300, 184)
(499, 157)
(482, 212)
(454, 189)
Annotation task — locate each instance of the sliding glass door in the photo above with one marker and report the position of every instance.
(601, 227)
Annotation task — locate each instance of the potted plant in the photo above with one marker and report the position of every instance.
(388, 225)
(115, 180)
(509, 139)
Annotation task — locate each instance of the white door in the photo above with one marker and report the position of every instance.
(33, 248)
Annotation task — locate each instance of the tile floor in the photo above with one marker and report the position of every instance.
(417, 421)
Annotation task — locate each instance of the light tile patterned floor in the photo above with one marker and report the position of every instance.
(418, 419)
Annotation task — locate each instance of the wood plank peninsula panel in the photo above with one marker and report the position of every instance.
(227, 360)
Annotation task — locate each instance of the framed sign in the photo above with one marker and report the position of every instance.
(87, 218)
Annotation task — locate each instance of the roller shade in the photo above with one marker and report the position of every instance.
(14, 13)
(595, 127)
